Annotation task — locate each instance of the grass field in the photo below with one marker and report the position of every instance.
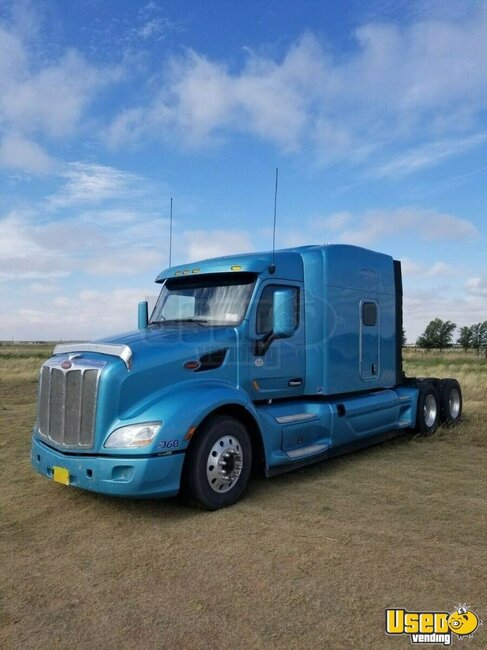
(306, 560)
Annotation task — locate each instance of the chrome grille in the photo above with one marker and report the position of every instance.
(67, 402)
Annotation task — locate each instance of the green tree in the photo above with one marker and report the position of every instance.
(438, 334)
(465, 338)
(479, 337)
(404, 338)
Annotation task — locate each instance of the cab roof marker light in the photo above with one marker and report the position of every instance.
(186, 272)
(236, 267)
(195, 271)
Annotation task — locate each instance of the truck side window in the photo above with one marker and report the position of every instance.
(265, 308)
(369, 313)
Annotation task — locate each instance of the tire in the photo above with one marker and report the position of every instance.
(431, 380)
(212, 479)
(428, 411)
(450, 401)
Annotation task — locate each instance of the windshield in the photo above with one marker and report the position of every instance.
(213, 299)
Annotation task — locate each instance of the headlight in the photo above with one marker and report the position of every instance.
(133, 435)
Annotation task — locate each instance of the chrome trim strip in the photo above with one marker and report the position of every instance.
(112, 349)
(306, 451)
(295, 417)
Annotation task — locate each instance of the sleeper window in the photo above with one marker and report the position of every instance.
(369, 314)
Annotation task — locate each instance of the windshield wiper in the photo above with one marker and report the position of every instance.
(200, 321)
(167, 321)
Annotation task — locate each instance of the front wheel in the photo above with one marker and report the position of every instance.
(218, 464)
(428, 411)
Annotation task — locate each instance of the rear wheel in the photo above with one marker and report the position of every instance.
(428, 411)
(450, 401)
(218, 464)
(431, 380)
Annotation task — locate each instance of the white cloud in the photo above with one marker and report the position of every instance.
(131, 261)
(150, 25)
(419, 86)
(422, 305)
(52, 100)
(87, 183)
(437, 269)
(83, 315)
(43, 287)
(375, 225)
(199, 99)
(17, 152)
(336, 222)
(441, 270)
(284, 238)
(203, 244)
(42, 94)
(410, 267)
(12, 57)
(14, 239)
(33, 249)
(477, 286)
(22, 257)
(118, 249)
(428, 155)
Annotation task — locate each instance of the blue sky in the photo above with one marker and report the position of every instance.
(375, 114)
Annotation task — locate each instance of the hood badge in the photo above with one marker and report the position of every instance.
(192, 365)
(68, 363)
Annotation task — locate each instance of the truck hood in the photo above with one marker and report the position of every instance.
(167, 343)
(158, 357)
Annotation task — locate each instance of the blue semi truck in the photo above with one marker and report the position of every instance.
(265, 360)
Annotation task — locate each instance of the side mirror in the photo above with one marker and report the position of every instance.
(283, 314)
(143, 315)
(282, 320)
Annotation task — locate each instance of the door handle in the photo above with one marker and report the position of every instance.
(295, 382)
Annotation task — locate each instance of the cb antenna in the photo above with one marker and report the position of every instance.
(272, 267)
(170, 234)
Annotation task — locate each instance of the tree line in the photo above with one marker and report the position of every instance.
(439, 335)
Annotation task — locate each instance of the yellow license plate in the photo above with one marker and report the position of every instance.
(61, 475)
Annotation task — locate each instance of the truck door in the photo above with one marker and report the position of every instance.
(369, 340)
(280, 372)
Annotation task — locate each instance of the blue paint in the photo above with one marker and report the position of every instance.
(336, 371)
(153, 476)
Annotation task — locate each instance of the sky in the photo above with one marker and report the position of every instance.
(374, 112)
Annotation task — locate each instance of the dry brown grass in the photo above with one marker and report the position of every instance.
(307, 560)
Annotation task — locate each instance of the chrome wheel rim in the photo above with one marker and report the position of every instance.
(429, 410)
(454, 403)
(224, 464)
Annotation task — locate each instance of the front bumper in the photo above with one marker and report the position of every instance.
(152, 476)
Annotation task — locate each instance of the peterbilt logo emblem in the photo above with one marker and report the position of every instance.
(66, 365)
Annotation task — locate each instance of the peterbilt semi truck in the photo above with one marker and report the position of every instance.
(269, 361)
